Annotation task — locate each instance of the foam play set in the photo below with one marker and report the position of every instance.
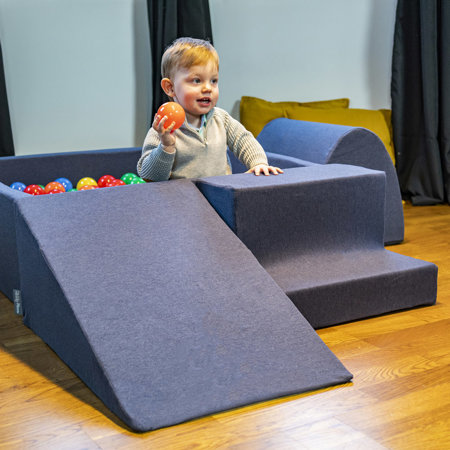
(208, 290)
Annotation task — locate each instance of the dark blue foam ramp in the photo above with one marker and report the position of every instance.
(318, 231)
(158, 307)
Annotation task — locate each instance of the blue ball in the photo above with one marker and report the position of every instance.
(18, 186)
(66, 183)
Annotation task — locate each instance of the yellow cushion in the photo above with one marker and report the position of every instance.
(371, 119)
(255, 112)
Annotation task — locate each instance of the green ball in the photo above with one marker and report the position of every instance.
(128, 177)
(137, 180)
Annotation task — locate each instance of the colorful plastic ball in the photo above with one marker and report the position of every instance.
(66, 183)
(86, 181)
(18, 186)
(103, 181)
(128, 177)
(87, 187)
(34, 189)
(137, 180)
(55, 191)
(54, 185)
(116, 183)
(174, 112)
(72, 190)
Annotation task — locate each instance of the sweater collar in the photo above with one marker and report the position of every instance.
(204, 121)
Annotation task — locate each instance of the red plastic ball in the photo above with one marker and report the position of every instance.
(34, 189)
(117, 182)
(174, 112)
(55, 191)
(104, 180)
(54, 185)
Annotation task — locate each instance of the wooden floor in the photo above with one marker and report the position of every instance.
(399, 399)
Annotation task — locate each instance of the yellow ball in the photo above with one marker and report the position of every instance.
(86, 181)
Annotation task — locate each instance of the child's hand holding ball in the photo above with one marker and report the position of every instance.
(169, 117)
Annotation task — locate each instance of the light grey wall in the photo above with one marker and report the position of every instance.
(304, 50)
(78, 71)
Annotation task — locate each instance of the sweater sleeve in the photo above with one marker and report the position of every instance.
(242, 143)
(154, 164)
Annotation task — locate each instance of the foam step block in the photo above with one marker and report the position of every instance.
(158, 307)
(354, 285)
(318, 231)
(336, 144)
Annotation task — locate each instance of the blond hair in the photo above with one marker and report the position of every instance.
(186, 52)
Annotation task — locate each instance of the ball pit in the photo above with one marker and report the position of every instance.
(62, 184)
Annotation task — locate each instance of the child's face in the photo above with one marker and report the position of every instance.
(196, 89)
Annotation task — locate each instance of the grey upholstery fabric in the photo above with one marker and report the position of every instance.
(318, 231)
(9, 263)
(159, 307)
(41, 169)
(322, 143)
(166, 314)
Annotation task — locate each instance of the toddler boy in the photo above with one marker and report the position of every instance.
(190, 71)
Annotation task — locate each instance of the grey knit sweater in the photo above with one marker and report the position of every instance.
(200, 154)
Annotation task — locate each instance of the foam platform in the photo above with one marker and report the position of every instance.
(318, 231)
(158, 306)
(321, 143)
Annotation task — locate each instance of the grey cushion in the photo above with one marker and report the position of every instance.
(322, 143)
(41, 169)
(158, 307)
(318, 231)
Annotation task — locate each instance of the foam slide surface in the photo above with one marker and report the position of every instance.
(158, 307)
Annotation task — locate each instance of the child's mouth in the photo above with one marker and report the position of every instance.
(204, 101)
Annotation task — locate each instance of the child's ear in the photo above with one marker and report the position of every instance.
(167, 87)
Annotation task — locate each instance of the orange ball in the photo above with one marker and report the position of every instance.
(88, 187)
(54, 185)
(174, 112)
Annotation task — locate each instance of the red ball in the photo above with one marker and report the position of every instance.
(117, 182)
(34, 189)
(174, 112)
(54, 185)
(104, 180)
(55, 191)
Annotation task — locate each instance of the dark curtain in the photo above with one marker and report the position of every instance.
(420, 92)
(168, 20)
(6, 139)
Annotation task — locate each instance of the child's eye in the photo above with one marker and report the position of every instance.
(214, 81)
(196, 80)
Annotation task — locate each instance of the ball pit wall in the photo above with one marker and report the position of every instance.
(41, 169)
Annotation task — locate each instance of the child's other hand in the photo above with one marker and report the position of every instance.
(165, 134)
(265, 169)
